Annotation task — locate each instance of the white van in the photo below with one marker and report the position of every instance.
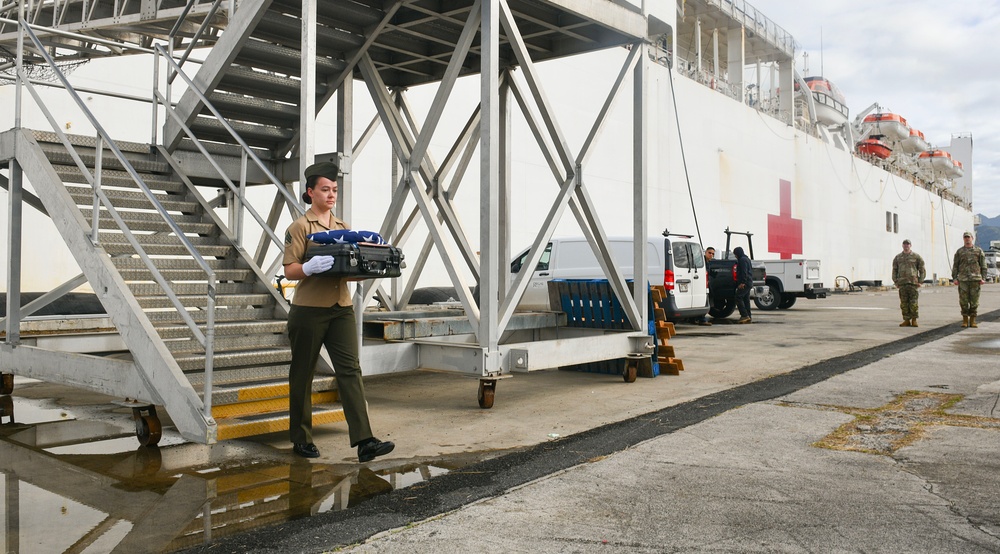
(675, 263)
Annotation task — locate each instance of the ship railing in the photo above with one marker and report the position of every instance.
(764, 103)
(755, 21)
(101, 200)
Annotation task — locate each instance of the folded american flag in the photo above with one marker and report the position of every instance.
(342, 236)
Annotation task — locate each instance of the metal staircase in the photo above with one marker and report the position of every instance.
(195, 307)
(249, 362)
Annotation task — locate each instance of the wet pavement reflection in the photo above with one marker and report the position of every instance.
(86, 486)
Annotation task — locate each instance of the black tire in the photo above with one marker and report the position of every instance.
(770, 299)
(431, 295)
(722, 308)
(787, 301)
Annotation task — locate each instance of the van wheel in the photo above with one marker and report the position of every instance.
(787, 301)
(722, 308)
(431, 295)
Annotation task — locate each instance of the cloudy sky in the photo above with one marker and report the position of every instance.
(938, 68)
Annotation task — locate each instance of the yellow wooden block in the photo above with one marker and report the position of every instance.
(657, 295)
(669, 368)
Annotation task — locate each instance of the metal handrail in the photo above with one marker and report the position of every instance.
(68, 34)
(197, 34)
(207, 338)
(289, 199)
(232, 132)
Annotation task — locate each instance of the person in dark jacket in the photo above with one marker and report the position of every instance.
(744, 282)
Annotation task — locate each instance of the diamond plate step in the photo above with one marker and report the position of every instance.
(227, 329)
(213, 251)
(221, 377)
(246, 81)
(153, 222)
(153, 289)
(227, 314)
(238, 359)
(201, 301)
(259, 110)
(120, 179)
(234, 428)
(172, 263)
(282, 59)
(85, 141)
(186, 274)
(229, 343)
(254, 134)
(132, 200)
(267, 406)
(59, 155)
(267, 391)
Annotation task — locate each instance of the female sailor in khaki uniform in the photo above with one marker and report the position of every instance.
(322, 314)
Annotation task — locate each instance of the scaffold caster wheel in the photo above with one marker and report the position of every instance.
(7, 383)
(6, 408)
(487, 390)
(631, 370)
(147, 425)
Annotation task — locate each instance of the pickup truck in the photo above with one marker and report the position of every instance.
(788, 280)
(777, 283)
(722, 278)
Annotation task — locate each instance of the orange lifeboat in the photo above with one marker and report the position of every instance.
(874, 147)
(831, 107)
(915, 143)
(890, 125)
(938, 160)
(958, 170)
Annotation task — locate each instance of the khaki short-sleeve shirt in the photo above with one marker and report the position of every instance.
(315, 291)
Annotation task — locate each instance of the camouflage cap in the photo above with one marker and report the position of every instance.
(906, 241)
(967, 234)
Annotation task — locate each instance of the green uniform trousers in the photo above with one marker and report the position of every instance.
(309, 329)
(968, 297)
(908, 297)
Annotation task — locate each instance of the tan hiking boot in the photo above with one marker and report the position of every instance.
(913, 323)
(744, 320)
(905, 323)
(972, 321)
(965, 321)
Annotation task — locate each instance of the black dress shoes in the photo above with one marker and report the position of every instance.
(372, 448)
(306, 450)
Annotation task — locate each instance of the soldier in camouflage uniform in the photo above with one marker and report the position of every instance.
(968, 272)
(907, 274)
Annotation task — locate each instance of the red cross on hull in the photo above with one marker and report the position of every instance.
(784, 233)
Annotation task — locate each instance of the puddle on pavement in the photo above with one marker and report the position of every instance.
(988, 344)
(92, 482)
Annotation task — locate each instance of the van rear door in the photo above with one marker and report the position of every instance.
(690, 280)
